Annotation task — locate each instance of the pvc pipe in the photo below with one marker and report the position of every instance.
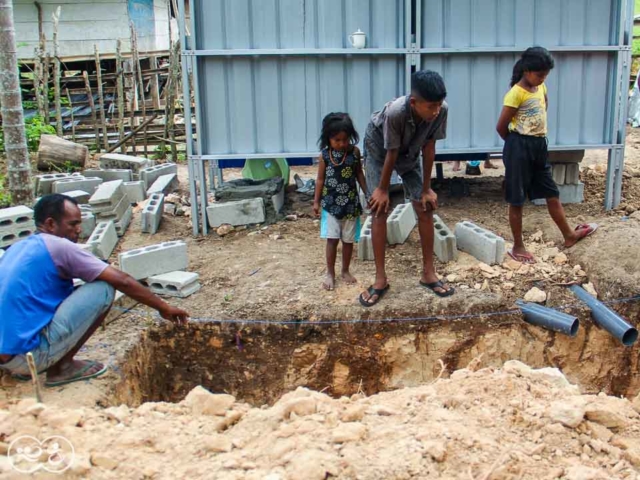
(607, 318)
(549, 318)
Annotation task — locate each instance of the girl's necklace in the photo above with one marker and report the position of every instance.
(336, 164)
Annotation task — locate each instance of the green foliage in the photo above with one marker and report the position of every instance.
(34, 129)
(161, 154)
(5, 196)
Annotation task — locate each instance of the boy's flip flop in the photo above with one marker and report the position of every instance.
(528, 258)
(81, 374)
(438, 284)
(373, 291)
(589, 227)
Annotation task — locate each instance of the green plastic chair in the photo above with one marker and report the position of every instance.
(264, 168)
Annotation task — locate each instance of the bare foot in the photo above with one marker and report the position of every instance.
(348, 278)
(329, 282)
(488, 164)
(456, 166)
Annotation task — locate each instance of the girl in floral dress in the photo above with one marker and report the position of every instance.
(336, 197)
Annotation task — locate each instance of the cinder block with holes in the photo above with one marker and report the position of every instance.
(241, 212)
(45, 182)
(155, 259)
(486, 246)
(174, 284)
(103, 240)
(125, 162)
(14, 217)
(86, 184)
(152, 213)
(558, 172)
(365, 245)
(134, 191)
(164, 184)
(400, 223)
(107, 196)
(116, 212)
(88, 224)
(10, 236)
(110, 174)
(444, 245)
(151, 174)
(572, 176)
(125, 220)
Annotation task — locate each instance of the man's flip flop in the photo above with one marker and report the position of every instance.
(81, 374)
(528, 258)
(373, 291)
(438, 284)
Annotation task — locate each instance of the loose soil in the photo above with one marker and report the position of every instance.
(498, 422)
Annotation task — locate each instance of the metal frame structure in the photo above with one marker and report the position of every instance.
(416, 54)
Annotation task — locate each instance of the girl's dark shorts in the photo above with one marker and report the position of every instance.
(528, 173)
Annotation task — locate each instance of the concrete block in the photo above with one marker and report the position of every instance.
(103, 239)
(152, 213)
(278, 200)
(79, 196)
(116, 212)
(445, 246)
(174, 284)
(150, 174)
(558, 172)
(365, 245)
(566, 156)
(86, 184)
(44, 183)
(13, 217)
(573, 174)
(486, 246)
(88, 224)
(124, 222)
(107, 196)
(134, 191)
(155, 259)
(110, 174)
(400, 223)
(10, 236)
(110, 161)
(164, 184)
(241, 212)
(568, 194)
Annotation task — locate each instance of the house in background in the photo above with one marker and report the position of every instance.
(85, 23)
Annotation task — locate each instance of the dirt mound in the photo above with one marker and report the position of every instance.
(486, 424)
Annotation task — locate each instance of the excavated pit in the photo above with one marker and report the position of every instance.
(258, 363)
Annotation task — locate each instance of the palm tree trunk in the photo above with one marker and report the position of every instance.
(18, 165)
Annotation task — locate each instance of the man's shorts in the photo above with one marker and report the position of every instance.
(527, 170)
(71, 321)
(332, 228)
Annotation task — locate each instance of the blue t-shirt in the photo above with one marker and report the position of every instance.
(36, 276)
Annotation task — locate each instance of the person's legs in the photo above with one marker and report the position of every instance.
(519, 251)
(350, 233)
(76, 319)
(347, 254)
(332, 253)
(456, 166)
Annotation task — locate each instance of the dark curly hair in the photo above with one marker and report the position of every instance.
(534, 59)
(335, 123)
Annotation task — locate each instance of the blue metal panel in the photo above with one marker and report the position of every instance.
(476, 85)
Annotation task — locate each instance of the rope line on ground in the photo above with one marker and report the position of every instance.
(375, 320)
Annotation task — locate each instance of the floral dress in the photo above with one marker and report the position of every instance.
(340, 194)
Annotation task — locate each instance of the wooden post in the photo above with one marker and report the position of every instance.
(45, 90)
(174, 72)
(87, 87)
(120, 93)
(73, 122)
(155, 84)
(131, 80)
(133, 132)
(56, 72)
(136, 61)
(103, 117)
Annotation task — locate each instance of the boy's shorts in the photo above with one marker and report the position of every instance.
(332, 228)
(527, 170)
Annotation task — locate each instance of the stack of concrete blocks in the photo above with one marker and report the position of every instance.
(110, 174)
(16, 223)
(565, 169)
(486, 246)
(174, 284)
(111, 161)
(444, 246)
(110, 203)
(400, 224)
(79, 196)
(164, 184)
(88, 223)
(76, 182)
(103, 240)
(152, 213)
(135, 191)
(153, 260)
(365, 245)
(150, 174)
(241, 212)
(44, 183)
